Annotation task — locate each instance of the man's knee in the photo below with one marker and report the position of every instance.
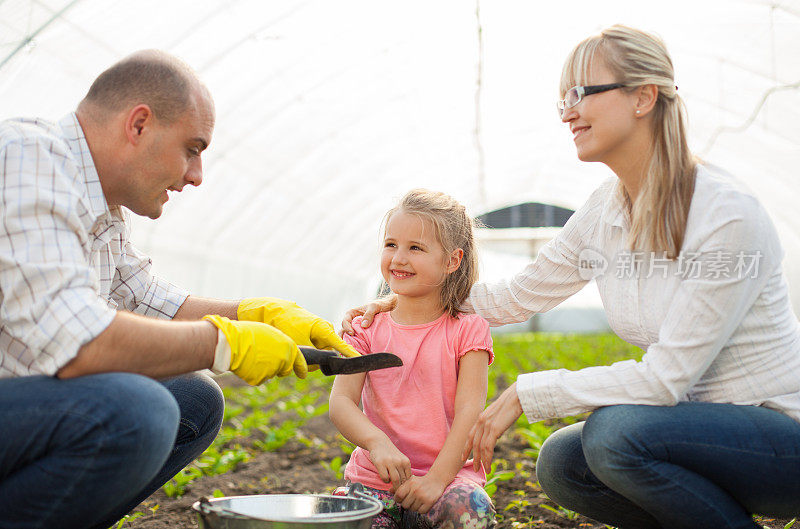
(201, 403)
(132, 414)
(210, 395)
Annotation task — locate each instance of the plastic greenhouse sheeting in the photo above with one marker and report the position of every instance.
(328, 111)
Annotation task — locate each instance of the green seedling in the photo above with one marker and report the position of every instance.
(528, 352)
(127, 518)
(214, 462)
(535, 434)
(346, 446)
(528, 521)
(231, 411)
(276, 437)
(493, 477)
(176, 487)
(256, 419)
(519, 468)
(561, 511)
(335, 467)
(761, 520)
(519, 505)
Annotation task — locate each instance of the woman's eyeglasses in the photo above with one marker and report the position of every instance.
(576, 93)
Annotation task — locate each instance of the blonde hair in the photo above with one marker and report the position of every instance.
(454, 229)
(658, 215)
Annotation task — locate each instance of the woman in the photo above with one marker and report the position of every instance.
(705, 429)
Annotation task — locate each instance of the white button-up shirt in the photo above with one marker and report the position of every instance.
(716, 323)
(66, 264)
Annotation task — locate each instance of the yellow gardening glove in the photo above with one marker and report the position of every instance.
(259, 352)
(294, 321)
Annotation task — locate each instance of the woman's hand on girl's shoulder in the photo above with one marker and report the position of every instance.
(349, 316)
(368, 311)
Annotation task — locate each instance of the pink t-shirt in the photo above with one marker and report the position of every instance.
(415, 404)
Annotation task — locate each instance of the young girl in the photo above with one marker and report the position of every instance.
(415, 418)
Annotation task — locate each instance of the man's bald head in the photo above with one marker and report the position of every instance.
(151, 77)
(147, 119)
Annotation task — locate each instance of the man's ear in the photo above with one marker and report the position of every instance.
(455, 260)
(139, 120)
(647, 95)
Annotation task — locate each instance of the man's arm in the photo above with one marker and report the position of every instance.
(148, 346)
(194, 308)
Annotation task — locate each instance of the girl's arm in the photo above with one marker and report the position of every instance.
(420, 493)
(392, 465)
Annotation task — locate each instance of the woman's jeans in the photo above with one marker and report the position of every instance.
(695, 465)
(82, 452)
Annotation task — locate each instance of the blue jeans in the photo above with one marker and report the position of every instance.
(695, 465)
(80, 453)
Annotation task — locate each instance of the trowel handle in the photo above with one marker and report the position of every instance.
(317, 357)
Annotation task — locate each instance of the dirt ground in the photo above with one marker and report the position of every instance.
(297, 468)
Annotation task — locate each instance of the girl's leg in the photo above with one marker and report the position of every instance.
(698, 464)
(389, 517)
(565, 477)
(464, 504)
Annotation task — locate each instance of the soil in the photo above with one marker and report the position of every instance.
(297, 468)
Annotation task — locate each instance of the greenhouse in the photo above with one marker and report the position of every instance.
(328, 112)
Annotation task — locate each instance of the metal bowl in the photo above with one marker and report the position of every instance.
(288, 511)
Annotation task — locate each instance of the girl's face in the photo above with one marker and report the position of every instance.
(413, 262)
(602, 124)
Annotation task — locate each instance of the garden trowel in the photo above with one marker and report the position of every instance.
(330, 363)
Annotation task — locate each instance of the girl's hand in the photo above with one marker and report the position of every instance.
(393, 466)
(495, 419)
(368, 311)
(419, 493)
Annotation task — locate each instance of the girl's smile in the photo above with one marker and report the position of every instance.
(413, 261)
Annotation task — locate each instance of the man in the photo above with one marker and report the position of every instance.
(99, 402)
